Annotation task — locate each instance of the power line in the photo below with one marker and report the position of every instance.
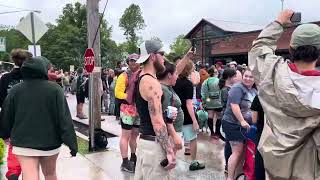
(95, 36)
(24, 9)
(2, 5)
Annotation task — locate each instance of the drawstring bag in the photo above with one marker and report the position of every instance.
(202, 118)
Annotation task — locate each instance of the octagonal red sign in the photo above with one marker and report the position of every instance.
(89, 60)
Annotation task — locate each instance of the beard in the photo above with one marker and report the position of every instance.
(158, 66)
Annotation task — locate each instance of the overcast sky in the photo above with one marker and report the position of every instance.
(167, 19)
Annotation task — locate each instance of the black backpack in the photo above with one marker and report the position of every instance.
(100, 139)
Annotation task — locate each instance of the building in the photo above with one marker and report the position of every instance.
(230, 41)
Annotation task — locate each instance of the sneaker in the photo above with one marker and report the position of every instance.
(127, 166)
(134, 160)
(196, 166)
(13, 177)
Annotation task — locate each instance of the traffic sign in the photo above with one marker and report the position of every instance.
(25, 27)
(89, 60)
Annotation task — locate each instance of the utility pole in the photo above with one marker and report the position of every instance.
(93, 35)
(282, 2)
(33, 35)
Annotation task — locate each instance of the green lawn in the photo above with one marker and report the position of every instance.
(83, 146)
(2, 150)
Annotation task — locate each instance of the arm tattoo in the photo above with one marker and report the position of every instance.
(164, 139)
(151, 107)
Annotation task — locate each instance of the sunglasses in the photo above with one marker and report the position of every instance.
(161, 53)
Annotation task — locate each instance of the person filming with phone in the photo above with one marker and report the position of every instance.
(289, 93)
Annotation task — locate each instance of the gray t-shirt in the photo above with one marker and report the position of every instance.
(170, 98)
(239, 94)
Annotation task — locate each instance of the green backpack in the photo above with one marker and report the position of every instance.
(213, 96)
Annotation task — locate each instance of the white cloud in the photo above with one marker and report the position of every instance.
(167, 19)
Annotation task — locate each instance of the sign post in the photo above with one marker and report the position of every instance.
(89, 66)
(33, 29)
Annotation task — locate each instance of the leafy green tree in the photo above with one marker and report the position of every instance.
(181, 46)
(65, 43)
(131, 22)
(14, 39)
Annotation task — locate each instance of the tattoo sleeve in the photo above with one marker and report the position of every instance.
(159, 126)
(164, 139)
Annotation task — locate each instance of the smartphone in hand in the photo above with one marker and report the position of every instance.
(296, 17)
(164, 163)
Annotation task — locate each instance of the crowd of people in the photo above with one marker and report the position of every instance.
(162, 106)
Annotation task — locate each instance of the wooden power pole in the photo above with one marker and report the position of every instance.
(93, 34)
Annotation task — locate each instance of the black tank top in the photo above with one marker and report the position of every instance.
(146, 127)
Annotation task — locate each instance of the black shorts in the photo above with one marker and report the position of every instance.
(80, 99)
(215, 109)
(127, 126)
(233, 132)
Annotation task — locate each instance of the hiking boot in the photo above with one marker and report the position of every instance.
(134, 160)
(13, 177)
(128, 166)
(196, 166)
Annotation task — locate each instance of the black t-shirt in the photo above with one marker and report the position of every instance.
(256, 106)
(184, 89)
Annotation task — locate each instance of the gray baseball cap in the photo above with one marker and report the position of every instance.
(306, 34)
(148, 47)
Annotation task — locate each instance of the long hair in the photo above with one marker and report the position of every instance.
(169, 68)
(187, 70)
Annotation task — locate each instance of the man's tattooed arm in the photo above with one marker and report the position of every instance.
(164, 139)
(159, 126)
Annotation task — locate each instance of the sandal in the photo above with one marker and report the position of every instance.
(196, 166)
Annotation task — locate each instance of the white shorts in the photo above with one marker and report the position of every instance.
(33, 152)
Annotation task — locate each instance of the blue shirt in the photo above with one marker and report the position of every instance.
(241, 95)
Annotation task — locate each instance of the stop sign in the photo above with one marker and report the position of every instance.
(89, 60)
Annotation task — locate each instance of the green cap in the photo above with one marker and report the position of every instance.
(306, 34)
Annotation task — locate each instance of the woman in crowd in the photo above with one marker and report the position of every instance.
(116, 101)
(111, 91)
(184, 89)
(211, 100)
(168, 78)
(38, 129)
(237, 117)
(227, 80)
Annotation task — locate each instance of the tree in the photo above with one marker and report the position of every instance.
(65, 43)
(156, 38)
(131, 22)
(181, 46)
(14, 39)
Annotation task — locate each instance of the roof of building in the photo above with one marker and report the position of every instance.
(226, 26)
(240, 43)
(231, 26)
